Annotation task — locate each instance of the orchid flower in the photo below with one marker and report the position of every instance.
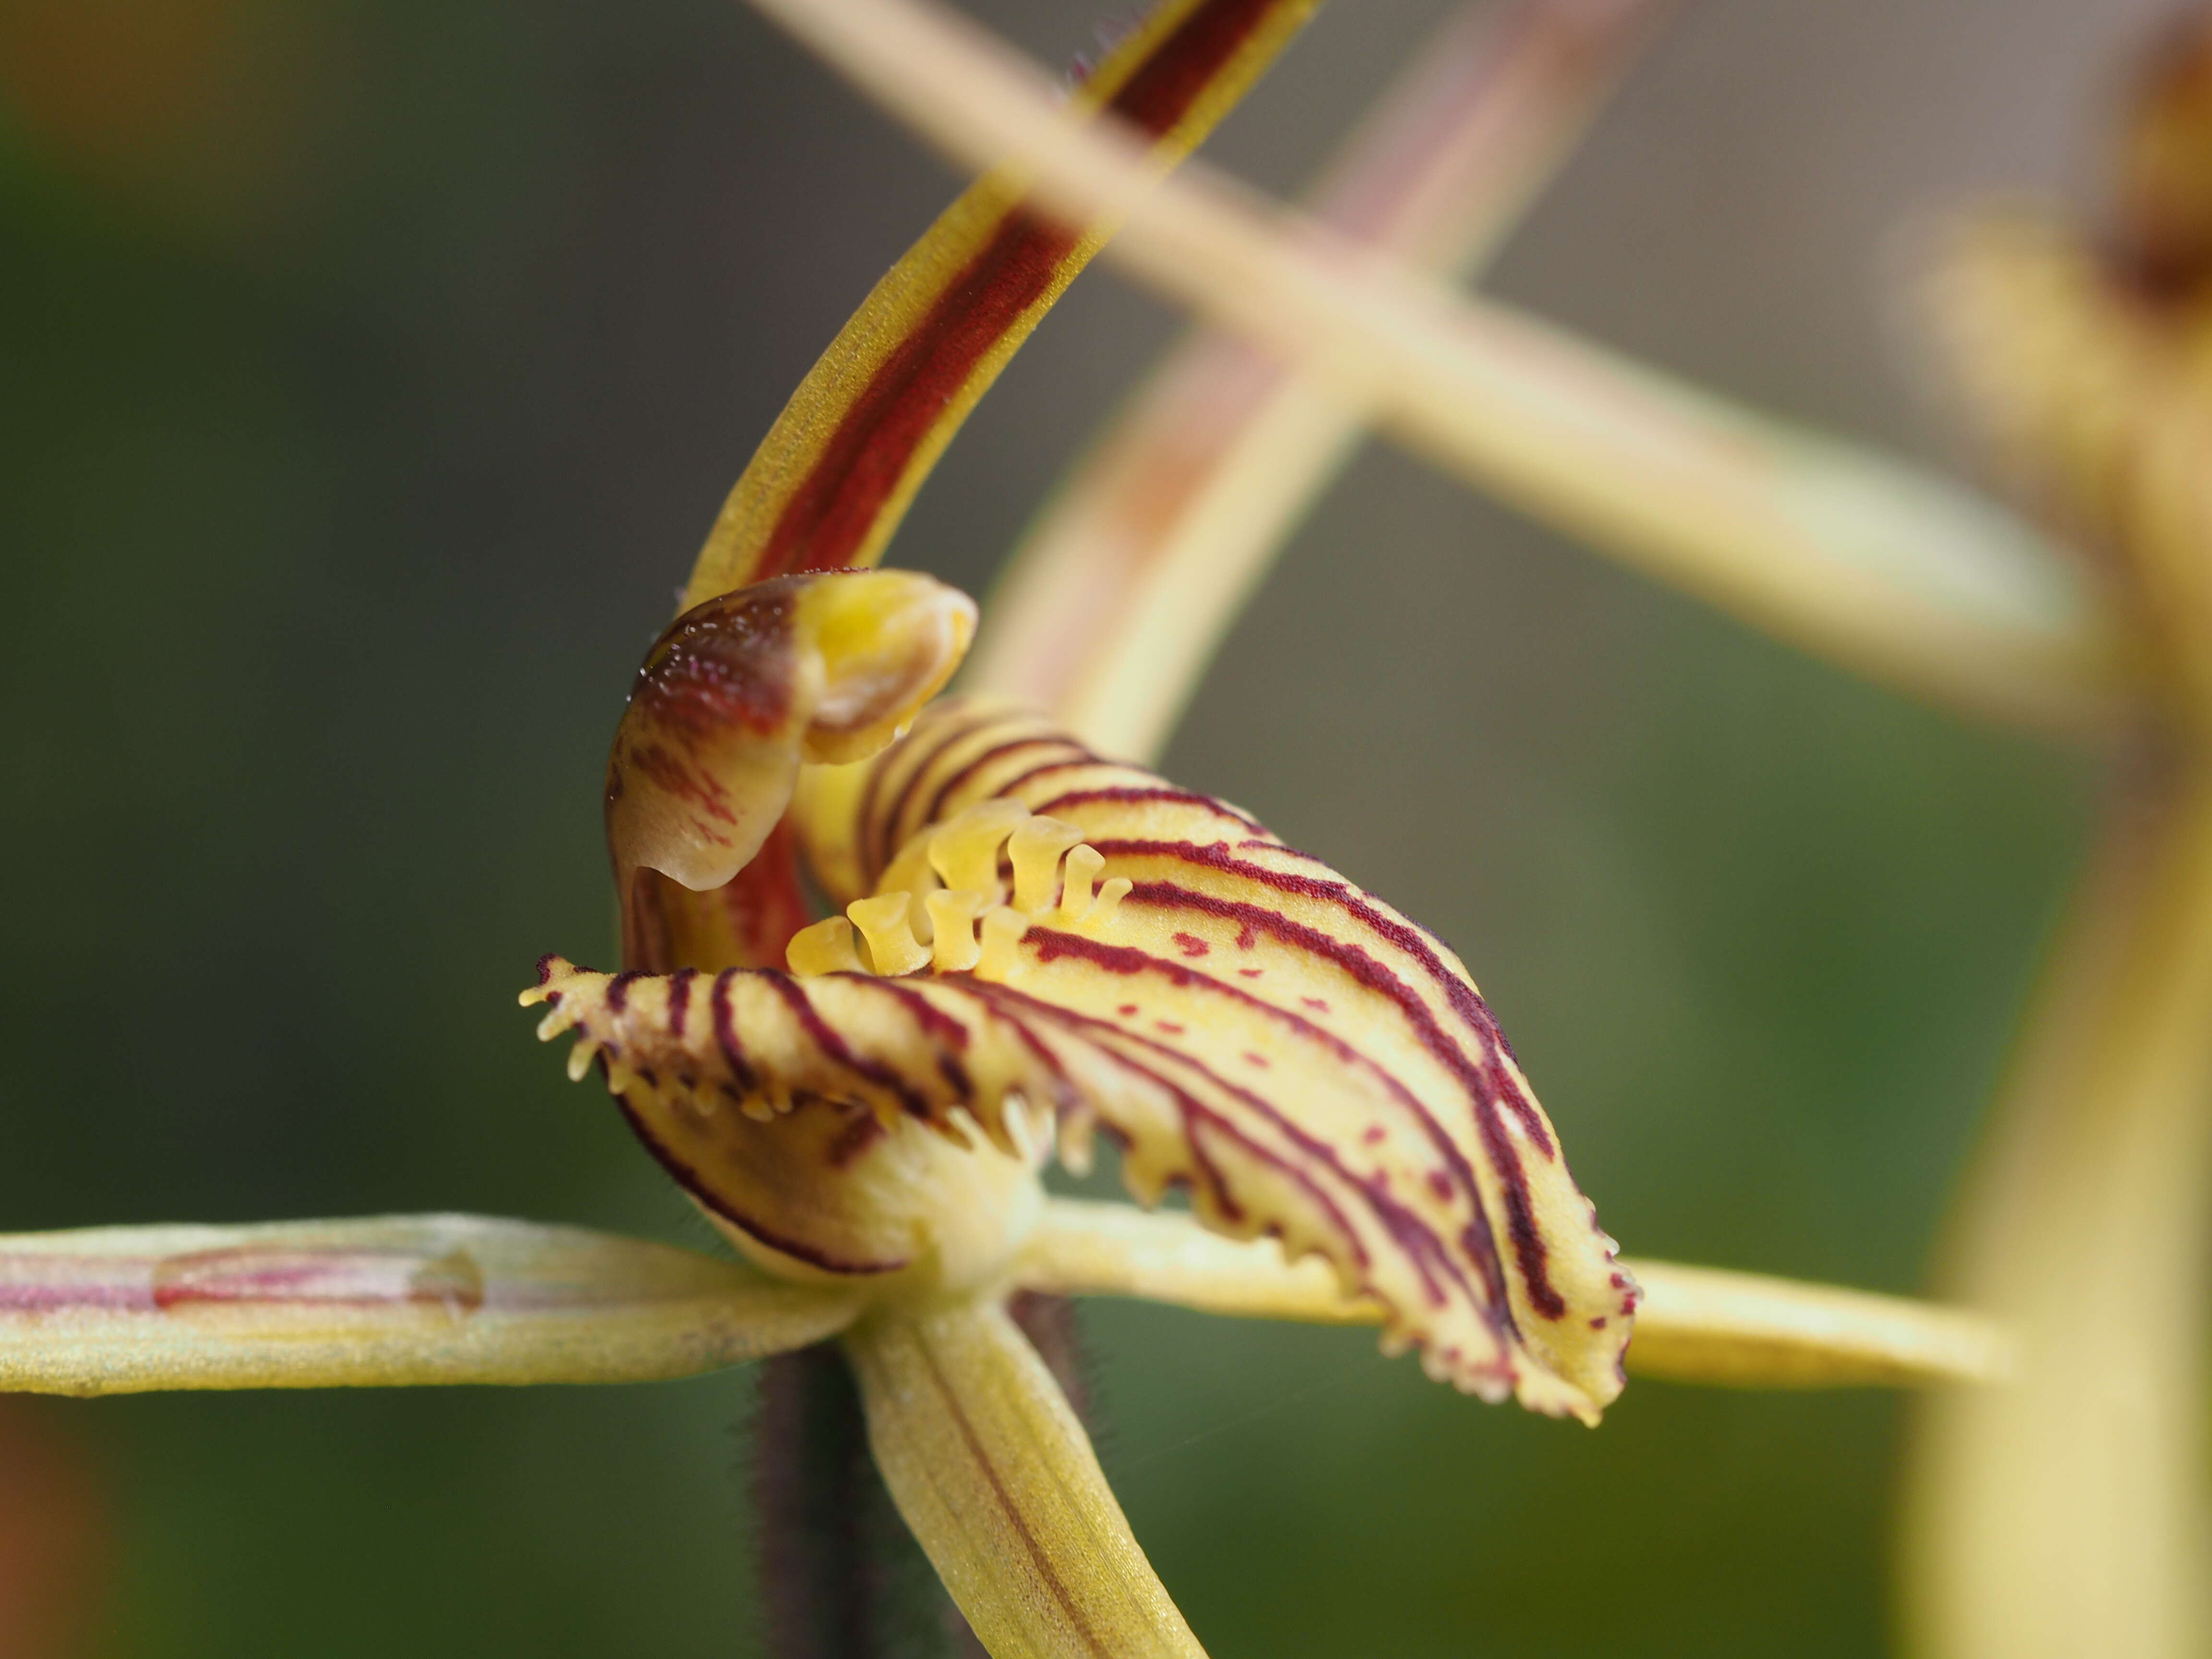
(1033, 942)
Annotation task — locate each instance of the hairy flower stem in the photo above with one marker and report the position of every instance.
(841, 1576)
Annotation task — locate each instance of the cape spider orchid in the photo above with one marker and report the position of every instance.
(1033, 940)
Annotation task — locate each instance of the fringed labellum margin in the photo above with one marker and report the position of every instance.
(1029, 930)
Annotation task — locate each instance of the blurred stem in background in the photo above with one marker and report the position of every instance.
(2066, 1516)
(1851, 554)
(1116, 602)
(2069, 1516)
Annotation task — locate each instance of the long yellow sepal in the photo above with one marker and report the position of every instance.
(1695, 1324)
(381, 1300)
(836, 472)
(991, 1470)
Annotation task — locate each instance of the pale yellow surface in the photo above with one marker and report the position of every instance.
(380, 1301)
(1697, 1324)
(2067, 1518)
(992, 1472)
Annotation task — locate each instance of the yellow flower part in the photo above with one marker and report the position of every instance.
(1033, 943)
(1044, 931)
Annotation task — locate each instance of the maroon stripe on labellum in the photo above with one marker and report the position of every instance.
(1106, 1038)
(679, 1000)
(1462, 997)
(1419, 1243)
(1066, 1098)
(948, 1035)
(885, 841)
(825, 1036)
(1134, 794)
(869, 830)
(1006, 789)
(1475, 1239)
(1529, 1251)
(935, 810)
(726, 1035)
(855, 1138)
(618, 988)
(933, 1020)
(829, 515)
(1484, 1086)
(689, 1179)
(1271, 845)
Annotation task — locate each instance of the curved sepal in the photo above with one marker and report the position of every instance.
(834, 475)
(991, 1468)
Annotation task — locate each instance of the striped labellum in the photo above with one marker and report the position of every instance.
(1035, 946)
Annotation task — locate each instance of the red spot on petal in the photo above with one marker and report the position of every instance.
(1245, 937)
(1251, 973)
(1261, 1061)
(1190, 946)
(1169, 1026)
(1372, 1134)
(1127, 1010)
(1319, 1004)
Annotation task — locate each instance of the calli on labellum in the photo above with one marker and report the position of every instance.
(1031, 943)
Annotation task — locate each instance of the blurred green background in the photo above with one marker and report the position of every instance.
(369, 371)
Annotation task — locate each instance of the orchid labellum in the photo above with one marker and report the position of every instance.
(1032, 941)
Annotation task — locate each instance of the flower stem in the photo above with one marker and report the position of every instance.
(841, 1576)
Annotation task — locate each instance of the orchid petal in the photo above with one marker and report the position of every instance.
(1847, 553)
(1694, 1324)
(991, 1470)
(732, 698)
(1109, 612)
(837, 471)
(1246, 1022)
(384, 1300)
